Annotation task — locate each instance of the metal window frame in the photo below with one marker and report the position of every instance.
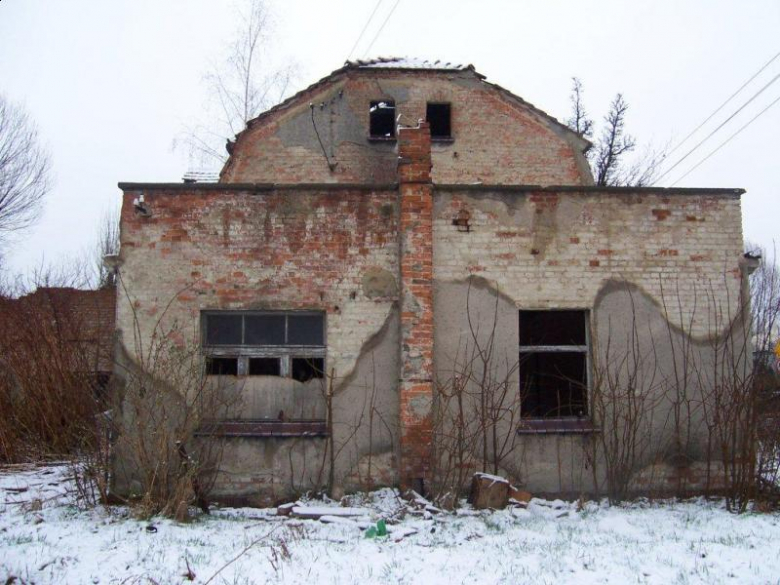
(244, 352)
(584, 349)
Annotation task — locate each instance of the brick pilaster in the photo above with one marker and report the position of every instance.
(416, 241)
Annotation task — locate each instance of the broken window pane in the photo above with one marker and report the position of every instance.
(552, 328)
(382, 119)
(264, 329)
(264, 367)
(305, 369)
(438, 116)
(553, 384)
(305, 330)
(223, 329)
(221, 366)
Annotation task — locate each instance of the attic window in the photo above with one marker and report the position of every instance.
(438, 116)
(382, 119)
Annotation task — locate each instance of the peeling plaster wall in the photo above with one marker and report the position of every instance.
(496, 139)
(611, 255)
(304, 249)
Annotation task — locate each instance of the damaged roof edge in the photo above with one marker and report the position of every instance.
(126, 186)
(593, 189)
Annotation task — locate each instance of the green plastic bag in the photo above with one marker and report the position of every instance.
(379, 530)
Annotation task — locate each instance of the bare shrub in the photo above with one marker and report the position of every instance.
(56, 357)
(625, 394)
(476, 409)
(165, 452)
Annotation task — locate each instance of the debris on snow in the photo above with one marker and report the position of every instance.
(489, 492)
(315, 513)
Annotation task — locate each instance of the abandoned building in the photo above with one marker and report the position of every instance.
(405, 274)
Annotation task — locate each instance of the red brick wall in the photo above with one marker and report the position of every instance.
(496, 138)
(213, 248)
(414, 170)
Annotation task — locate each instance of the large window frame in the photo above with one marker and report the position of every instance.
(292, 358)
(552, 352)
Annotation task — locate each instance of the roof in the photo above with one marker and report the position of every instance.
(406, 63)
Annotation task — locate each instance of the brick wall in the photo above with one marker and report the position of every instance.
(556, 248)
(416, 391)
(497, 138)
(214, 248)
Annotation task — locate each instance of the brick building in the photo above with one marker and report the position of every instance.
(375, 238)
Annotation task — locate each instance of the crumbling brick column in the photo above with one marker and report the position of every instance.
(416, 242)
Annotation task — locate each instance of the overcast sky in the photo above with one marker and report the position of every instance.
(112, 83)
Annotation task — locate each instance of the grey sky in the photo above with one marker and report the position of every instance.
(112, 83)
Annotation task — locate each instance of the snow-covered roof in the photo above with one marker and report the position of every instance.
(201, 176)
(405, 63)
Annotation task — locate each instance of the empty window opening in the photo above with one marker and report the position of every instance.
(221, 366)
(305, 369)
(382, 119)
(553, 364)
(438, 116)
(264, 367)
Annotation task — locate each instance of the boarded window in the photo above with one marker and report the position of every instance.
(438, 116)
(382, 119)
(553, 363)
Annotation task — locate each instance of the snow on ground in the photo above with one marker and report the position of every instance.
(45, 539)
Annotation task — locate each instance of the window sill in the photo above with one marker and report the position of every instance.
(442, 140)
(381, 138)
(263, 428)
(556, 426)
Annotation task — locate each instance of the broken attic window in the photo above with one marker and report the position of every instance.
(553, 364)
(265, 367)
(217, 366)
(305, 369)
(438, 116)
(382, 119)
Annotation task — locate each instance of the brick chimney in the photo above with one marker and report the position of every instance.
(416, 254)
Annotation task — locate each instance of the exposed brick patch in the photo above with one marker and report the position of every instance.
(661, 214)
(594, 263)
(416, 391)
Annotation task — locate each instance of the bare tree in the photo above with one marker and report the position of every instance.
(24, 169)
(579, 121)
(608, 160)
(613, 144)
(106, 244)
(241, 86)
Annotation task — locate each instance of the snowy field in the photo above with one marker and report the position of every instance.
(45, 539)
